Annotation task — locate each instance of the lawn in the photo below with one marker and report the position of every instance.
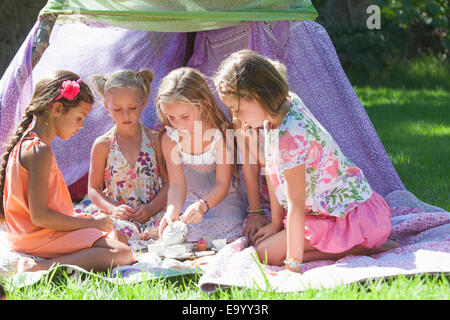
(411, 113)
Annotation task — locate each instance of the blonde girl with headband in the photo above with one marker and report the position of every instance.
(36, 203)
(322, 206)
(200, 164)
(124, 158)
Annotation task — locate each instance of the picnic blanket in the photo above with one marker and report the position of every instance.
(422, 229)
(143, 270)
(148, 266)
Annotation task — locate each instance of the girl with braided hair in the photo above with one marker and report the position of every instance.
(36, 204)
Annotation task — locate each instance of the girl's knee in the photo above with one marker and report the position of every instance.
(122, 237)
(121, 252)
(124, 254)
(263, 253)
(267, 256)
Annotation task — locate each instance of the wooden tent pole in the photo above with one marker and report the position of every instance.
(41, 42)
(190, 41)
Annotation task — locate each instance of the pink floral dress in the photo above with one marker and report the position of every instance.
(334, 185)
(134, 185)
(341, 209)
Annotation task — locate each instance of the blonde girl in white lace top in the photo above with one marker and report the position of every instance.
(200, 166)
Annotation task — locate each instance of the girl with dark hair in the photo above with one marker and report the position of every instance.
(36, 203)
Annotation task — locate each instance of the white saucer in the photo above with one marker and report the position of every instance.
(185, 255)
(204, 253)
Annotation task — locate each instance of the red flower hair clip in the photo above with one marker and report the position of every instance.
(69, 89)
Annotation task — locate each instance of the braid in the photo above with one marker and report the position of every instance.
(23, 126)
(45, 92)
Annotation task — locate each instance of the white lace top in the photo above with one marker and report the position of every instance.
(206, 158)
(223, 220)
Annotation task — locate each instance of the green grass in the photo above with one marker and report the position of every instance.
(424, 72)
(411, 113)
(414, 127)
(413, 123)
(423, 287)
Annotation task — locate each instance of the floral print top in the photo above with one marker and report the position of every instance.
(136, 184)
(334, 186)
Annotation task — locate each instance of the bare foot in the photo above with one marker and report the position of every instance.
(363, 251)
(28, 264)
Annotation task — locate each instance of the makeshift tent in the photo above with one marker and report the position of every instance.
(102, 36)
(90, 37)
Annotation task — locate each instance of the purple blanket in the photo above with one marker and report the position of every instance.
(423, 231)
(16, 87)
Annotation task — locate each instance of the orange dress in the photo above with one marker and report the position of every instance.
(23, 235)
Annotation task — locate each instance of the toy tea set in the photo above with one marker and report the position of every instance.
(171, 244)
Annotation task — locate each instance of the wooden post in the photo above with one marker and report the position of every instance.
(42, 37)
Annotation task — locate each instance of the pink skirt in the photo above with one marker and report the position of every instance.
(368, 225)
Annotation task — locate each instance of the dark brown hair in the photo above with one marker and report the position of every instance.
(247, 74)
(45, 92)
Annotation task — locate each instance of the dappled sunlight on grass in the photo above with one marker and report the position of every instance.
(414, 127)
(379, 97)
(424, 72)
(401, 287)
(425, 129)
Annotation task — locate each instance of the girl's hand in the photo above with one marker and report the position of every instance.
(251, 137)
(254, 223)
(247, 130)
(170, 215)
(266, 232)
(194, 213)
(122, 212)
(142, 214)
(103, 222)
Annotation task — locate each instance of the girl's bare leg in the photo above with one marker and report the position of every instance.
(104, 253)
(122, 237)
(315, 254)
(276, 250)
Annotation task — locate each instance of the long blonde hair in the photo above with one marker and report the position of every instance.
(188, 85)
(45, 92)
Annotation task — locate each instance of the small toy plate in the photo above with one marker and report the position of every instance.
(203, 253)
(184, 256)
